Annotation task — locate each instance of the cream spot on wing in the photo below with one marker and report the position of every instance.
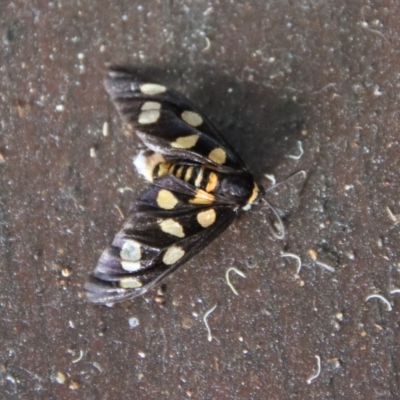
(130, 282)
(149, 117)
(172, 227)
(145, 164)
(192, 118)
(166, 200)
(185, 142)
(130, 266)
(152, 88)
(131, 250)
(172, 255)
(218, 155)
(151, 105)
(206, 218)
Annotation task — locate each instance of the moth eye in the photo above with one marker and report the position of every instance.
(173, 254)
(192, 118)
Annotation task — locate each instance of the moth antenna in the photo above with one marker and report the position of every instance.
(300, 174)
(278, 233)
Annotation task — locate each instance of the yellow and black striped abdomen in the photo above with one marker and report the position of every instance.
(199, 176)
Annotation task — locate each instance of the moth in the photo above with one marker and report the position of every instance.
(198, 185)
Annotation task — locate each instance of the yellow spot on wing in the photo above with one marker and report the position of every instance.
(130, 283)
(218, 155)
(172, 255)
(185, 142)
(172, 227)
(212, 182)
(152, 88)
(192, 118)
(206, 218)
(166, 200)
(149, 117)
(202, 197)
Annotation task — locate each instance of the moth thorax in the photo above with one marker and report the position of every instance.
(237, 188)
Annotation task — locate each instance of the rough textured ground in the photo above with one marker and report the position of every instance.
(268, 73)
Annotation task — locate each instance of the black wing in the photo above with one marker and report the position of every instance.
(163, 232)
(168, 123)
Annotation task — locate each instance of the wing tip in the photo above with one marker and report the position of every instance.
(100, 292)
(119, 78)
